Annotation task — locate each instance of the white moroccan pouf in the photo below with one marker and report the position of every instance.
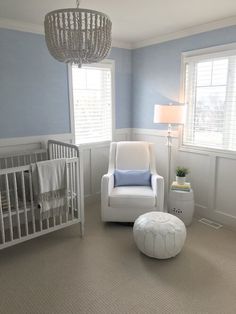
(160, 235)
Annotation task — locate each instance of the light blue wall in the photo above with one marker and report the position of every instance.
(156, 72)
(34, 87)
(123, 84)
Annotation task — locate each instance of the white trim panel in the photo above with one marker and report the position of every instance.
(30, 142)
(230, 21)
(39, 29)
(154, 132)
(212, 176)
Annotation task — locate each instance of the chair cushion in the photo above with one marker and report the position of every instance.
(132, 177)
(132, 197)
(132, 156)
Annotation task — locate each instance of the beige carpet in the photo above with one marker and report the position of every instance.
(105, 273)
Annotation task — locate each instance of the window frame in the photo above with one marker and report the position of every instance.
(104, 63)
(215, 51)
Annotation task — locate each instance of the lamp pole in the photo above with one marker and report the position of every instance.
(169, 114)
(169, 144)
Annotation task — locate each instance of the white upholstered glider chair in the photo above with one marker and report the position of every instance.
(126, 203)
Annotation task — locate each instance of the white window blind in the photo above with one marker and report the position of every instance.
(92, 99)
(210, 95)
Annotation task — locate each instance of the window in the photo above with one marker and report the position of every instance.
(210, 95)
(92, 102)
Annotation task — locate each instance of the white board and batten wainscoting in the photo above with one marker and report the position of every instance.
(212, 174)
(95, 156)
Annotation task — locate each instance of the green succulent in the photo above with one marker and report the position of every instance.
(181, 171)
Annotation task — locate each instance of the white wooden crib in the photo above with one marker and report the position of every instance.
(20, 218)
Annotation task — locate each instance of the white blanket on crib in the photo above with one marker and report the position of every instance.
(49, 183)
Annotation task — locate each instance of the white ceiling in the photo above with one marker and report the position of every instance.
(133, 21)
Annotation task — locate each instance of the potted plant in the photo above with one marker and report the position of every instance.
(181, 173)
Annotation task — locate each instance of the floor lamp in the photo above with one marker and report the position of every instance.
(169, 114)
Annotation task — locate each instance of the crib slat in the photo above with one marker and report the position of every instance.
(47, 222)
(67, 193)
(77, 189)
(32, 200)
(71, 191)
(2, 221)
(9, 206)
(60, 217)
(18, 161)
(17, 206)
(24, 202)
(54, 151)
(51, 151)
(5, 163)
(74, 182)
(54, 220)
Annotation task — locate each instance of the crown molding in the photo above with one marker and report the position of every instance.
(121, 44)
(230, 21)
(21, 26)
(38, 29)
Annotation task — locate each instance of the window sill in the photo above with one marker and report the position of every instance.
(208, 151)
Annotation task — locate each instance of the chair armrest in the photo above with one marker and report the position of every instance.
(158, 188)
(107, 185)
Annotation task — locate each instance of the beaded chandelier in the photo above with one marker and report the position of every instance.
(78, 36)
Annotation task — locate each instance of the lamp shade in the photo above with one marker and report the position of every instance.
(169, 114)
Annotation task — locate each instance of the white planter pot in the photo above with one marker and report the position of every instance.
(180, 180)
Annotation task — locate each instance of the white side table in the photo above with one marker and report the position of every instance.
(181, 204)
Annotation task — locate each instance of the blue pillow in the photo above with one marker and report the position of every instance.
(132, 177)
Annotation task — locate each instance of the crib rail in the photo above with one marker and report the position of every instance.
(22, 158)
(58, 149)
(20, 217)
